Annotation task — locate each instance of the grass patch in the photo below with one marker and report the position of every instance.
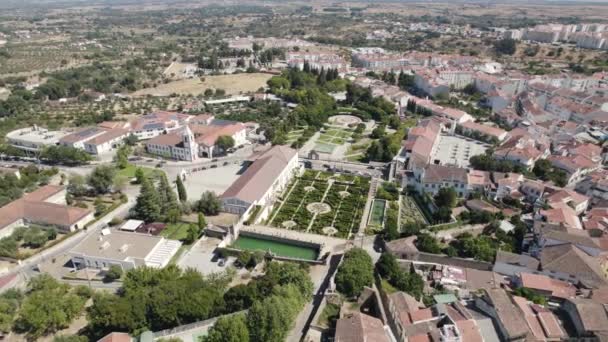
(387, 287)
(129, 171)
(176, 231)
(329, 315)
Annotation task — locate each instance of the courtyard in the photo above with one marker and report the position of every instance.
(322, 203)
(216, 179)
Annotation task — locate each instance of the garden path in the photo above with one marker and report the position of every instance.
(338, 209)
(314, 217)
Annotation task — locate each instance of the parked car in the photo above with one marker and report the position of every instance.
(213, 166)
(226, 163)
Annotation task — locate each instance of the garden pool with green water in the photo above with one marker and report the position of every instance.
(283, 249)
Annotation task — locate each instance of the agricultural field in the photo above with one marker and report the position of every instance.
(322, 203)
(233, 85)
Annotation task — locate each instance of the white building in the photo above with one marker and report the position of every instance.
(197, 140)
(33, 139)
(125, 249)
(154, 124)
(45, 206)
(269, 174)
(107, 141)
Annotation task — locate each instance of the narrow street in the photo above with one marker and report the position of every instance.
(306, 316)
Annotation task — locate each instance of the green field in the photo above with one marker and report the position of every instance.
(283, 249)
(377, 215)
(176, 231)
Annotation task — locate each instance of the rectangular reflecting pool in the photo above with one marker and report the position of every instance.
(283, 249)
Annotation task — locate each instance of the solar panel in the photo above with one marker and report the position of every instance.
(155, 125)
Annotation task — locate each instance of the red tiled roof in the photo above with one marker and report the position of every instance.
(171, 139)
(116, 337)
(107, 136)
(469, 331)
(258, 178)
(360, 327)
(32, 207)
(541, 282)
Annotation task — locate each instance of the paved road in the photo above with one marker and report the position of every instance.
(97, 285)
(356, 168)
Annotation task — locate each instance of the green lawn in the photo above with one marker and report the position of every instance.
(129, 171)
(176, 231)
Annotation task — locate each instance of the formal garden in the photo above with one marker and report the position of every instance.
(322, 203)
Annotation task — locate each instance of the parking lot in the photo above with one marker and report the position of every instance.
(202, 258)
(457, 150)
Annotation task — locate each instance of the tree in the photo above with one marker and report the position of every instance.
(113, 273)
(102, 178)
(157, 299)
(168, 201)
(181, 189)
(270, 320)
(9, 304)
(542, 168)
(122, 157)
(427, 243)
(209, 204)
(201, 222)
(139, 175)
(48, 307)
(131, 140)
(77, 186)
(446, 197)
(59, 154)
(505, 46)
(378, 132)
(355, 272)
(148, 206)
(193, 233)
(225, 142)
(228, 329)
